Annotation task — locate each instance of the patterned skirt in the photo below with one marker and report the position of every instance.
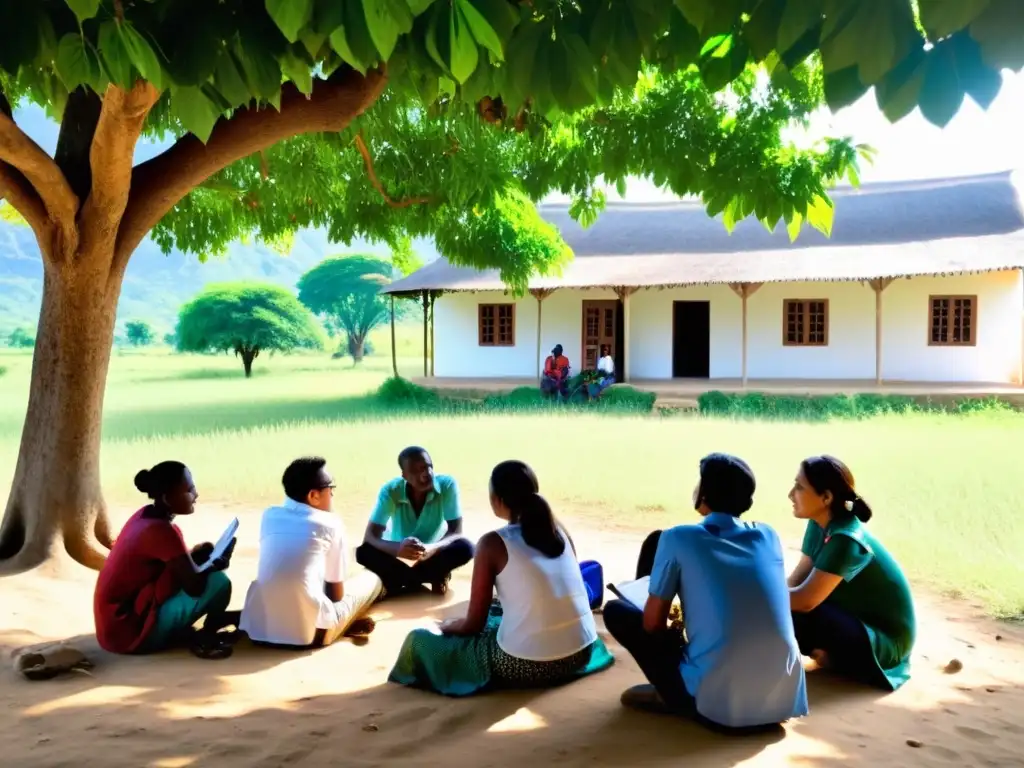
(461, 666)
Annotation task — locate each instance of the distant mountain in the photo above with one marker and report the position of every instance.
(155, 285)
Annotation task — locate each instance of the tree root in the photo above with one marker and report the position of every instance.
(84, 549)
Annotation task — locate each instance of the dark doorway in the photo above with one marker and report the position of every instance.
(691, 339)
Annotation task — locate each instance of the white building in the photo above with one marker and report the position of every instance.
(920, 282)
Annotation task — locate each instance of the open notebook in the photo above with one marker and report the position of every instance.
(634, 592)
(222, 544)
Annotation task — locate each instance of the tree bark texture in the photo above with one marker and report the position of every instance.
(56, 495)
(89, 209)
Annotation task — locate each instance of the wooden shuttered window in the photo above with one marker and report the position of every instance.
(952, 321)
(496, 325)
(805, 322)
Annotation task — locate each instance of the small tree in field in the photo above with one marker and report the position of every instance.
(139, 333)
(171, 340)
(21, 338)
(345, 291)
(247, 319)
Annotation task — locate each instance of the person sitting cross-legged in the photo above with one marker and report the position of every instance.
(152, 589)
(426, 529)
(301, 596)
(739, 666)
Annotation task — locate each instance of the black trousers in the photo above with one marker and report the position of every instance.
(830, 629)
(399, 577)
(658, 654)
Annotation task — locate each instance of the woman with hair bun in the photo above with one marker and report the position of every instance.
(541, 631)
(852, 607)
(151, 590)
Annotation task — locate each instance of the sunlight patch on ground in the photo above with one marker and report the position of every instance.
(95, 697)
(175, 762)
(521, 720)
(798, 749)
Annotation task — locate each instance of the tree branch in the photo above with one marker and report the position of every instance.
(159, 184)
(77, 129)
(372, 175)
(14, 188)
(42, 173)
(110, 159)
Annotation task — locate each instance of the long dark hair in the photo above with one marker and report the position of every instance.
(827, 473)
(515, 485)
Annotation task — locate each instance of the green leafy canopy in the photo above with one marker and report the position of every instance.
(346, 291)
(234, 317)
(572, 93)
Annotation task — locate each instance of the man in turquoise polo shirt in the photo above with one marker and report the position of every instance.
(426, 529)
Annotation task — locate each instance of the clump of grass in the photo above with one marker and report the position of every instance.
(3, 370)
(401, 394)
(759, 405)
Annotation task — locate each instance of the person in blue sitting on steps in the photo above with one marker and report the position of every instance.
(739, 666)
(426, 529)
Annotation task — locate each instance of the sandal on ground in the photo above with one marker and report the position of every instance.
(213, 647)
(361, 627)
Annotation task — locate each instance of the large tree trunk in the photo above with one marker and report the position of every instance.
(89, 208)
(56, 497)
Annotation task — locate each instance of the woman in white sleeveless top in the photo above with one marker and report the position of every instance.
(540, 631)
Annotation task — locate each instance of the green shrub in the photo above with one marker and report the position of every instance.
(626, 398)
(399, 392)
(3, 370)
(759, 405)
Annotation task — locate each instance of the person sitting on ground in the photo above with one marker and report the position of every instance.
(541, 631)
(739, 665)
(556, 372)
(606, 371)
(426, 528)
(301, 596)
(151, 591)
(852, 607)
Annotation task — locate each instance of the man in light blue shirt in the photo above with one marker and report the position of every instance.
(425, 529)
(739, 666)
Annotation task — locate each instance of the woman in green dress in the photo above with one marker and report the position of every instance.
(852, 607)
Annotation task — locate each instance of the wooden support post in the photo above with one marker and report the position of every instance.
(425, 332)
(394, 352)
(878, 285)
(433, 298)
(540, 294)
(744, 291)
(624, 292)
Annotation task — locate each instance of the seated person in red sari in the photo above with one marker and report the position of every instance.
(556, 372)
(151, 589)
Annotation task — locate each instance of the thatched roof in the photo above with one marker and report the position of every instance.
(938, 227)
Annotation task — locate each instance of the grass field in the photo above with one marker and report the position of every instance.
(947, 490)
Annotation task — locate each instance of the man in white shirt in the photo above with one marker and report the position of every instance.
(300, 596)
(605, 367)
